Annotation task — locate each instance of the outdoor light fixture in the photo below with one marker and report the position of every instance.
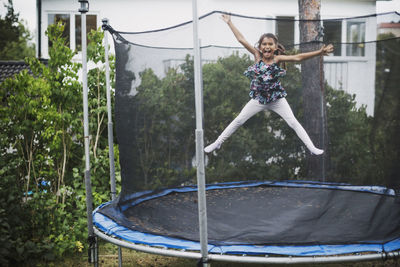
(84, 6)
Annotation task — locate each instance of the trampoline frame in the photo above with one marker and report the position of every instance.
(203, 256)
(172, 246)
(245, 258)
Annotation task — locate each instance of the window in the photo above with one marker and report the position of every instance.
(91, 24)
(285, 31)
(72, 27)
(333, 35)
(355, 34)
(64, 19)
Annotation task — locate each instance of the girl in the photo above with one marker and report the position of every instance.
(266, 91)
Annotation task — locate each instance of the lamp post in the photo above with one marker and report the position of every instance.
(84, 6)
(93, 256)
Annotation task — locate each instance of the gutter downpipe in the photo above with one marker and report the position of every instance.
(39, 28)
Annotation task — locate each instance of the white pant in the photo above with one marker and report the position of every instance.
(281, 107)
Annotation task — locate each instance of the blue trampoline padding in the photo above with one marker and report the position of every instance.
(392, 245)
(111, 228)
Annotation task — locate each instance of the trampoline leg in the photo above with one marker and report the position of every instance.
(93, 251)
(202, 263)
(119, 256)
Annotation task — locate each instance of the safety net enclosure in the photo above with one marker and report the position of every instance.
(266, 193)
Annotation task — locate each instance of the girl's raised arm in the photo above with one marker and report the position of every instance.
(302, 56)
(239, 36)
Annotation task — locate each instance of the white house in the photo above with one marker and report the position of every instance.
(352, 70)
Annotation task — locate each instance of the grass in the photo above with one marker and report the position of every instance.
(108, 257)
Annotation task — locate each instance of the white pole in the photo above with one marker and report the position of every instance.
(110, 128)
(89, 201)
(109, 113)
(199, 139)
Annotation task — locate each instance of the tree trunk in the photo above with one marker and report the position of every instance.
(312, 82)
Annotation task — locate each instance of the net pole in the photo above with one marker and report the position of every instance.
(110, 126)
(109, 114)
(324, 133)
(89, 199)
(199, 139)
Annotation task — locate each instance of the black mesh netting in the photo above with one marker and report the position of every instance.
(348, 102)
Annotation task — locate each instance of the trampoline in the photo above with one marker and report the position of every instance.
(293, 218)
(162, 210)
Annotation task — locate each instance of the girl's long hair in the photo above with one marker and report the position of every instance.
(281, 49)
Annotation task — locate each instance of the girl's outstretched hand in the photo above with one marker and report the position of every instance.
(226, 17)
(326, 49)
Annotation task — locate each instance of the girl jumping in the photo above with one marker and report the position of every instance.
(266, 91)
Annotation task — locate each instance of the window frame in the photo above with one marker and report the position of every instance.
(75, 21)
(48, 24)
(358, 21)
(295, 26)
(72, 37)
(343, 55)
(341, 37)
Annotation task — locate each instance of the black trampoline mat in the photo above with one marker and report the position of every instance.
(269, 215)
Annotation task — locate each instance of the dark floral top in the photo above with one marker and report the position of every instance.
(265, 85)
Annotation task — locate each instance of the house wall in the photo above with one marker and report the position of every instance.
(355, 75)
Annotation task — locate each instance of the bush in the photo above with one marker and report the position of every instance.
(42, 186)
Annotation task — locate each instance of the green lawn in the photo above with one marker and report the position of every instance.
(109, 257)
